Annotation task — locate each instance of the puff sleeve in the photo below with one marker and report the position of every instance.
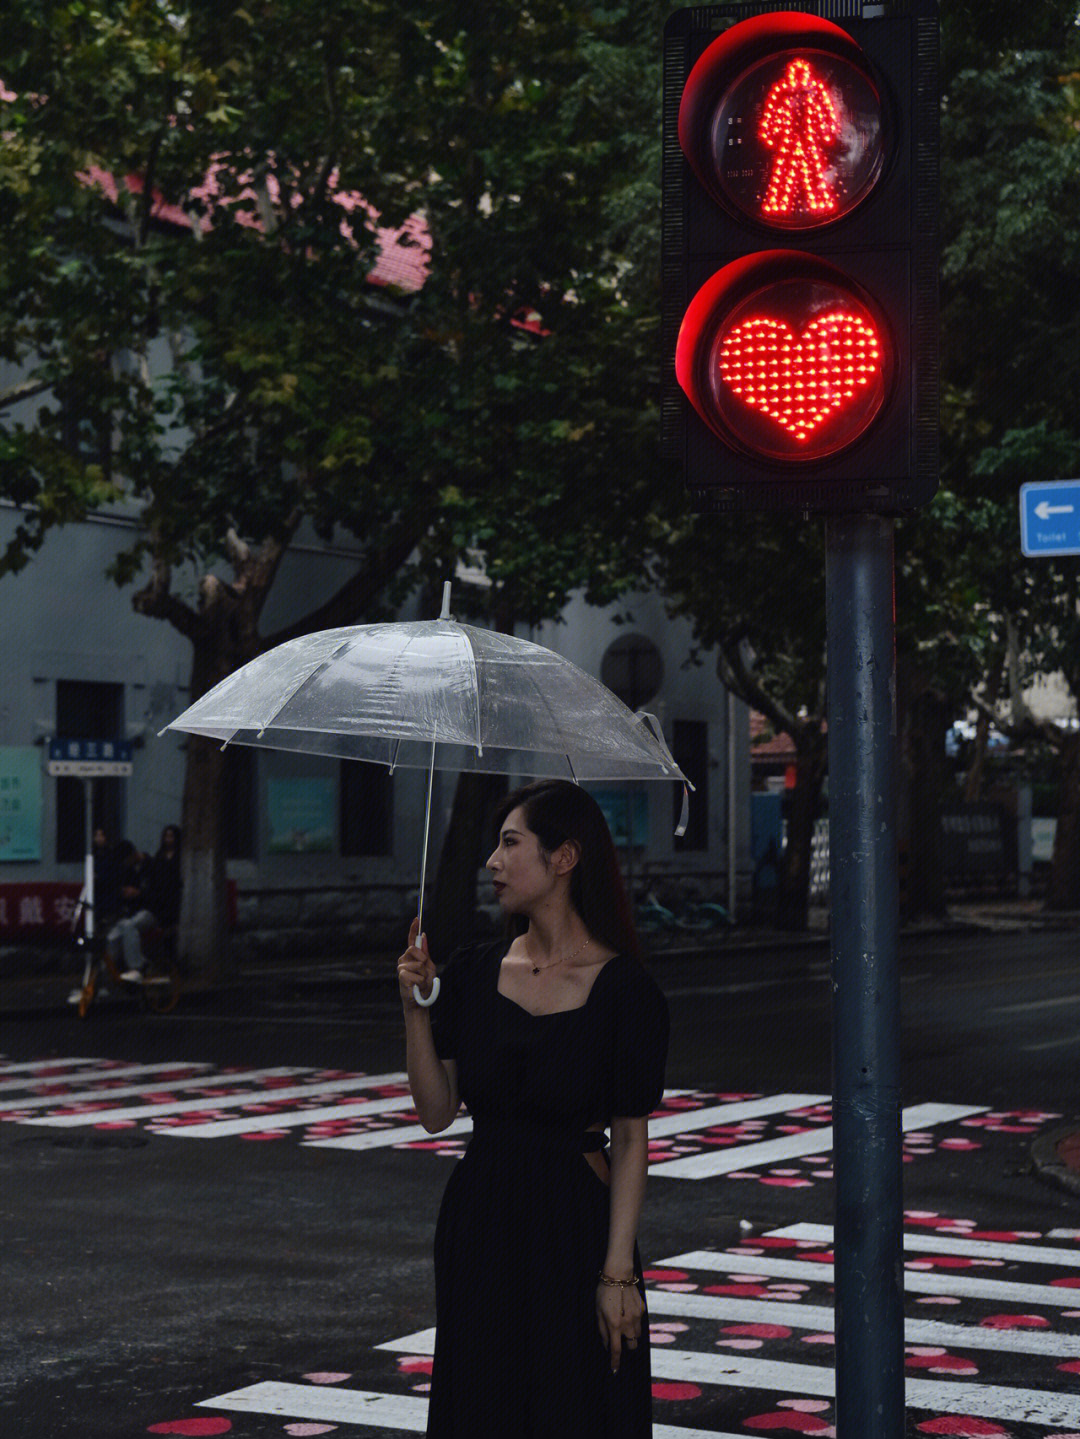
(640, 1044)
(447, 1011)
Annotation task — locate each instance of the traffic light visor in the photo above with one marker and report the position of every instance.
(785, 357)
(783, 122)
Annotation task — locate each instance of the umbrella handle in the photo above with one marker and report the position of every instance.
(432, 997)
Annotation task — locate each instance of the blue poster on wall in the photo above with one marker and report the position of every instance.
(20, 803)
(621, 808)
(302, 815)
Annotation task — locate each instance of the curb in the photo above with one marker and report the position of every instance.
(1048, 1161)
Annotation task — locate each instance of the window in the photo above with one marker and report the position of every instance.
(690, 746)
(633, 669)
(87, 710)
(366, 813)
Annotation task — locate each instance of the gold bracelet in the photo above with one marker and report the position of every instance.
(618, 1283)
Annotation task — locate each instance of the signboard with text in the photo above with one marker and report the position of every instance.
(1050, 518)
(20, 803)
(90, 758)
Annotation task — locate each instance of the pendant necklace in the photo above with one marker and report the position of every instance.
(538, 969)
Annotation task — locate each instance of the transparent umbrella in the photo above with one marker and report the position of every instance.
(433, 694)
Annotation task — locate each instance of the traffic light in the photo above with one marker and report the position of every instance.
(800, 255)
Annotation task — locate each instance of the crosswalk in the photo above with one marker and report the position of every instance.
(782, 1139)
(741, 1336)
(750, 1364)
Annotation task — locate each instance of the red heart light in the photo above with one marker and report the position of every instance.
(799, 381)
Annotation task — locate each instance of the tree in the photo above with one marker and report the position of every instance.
(188, 200)
(754, 588)
(1011, 367)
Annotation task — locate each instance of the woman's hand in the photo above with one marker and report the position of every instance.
(619, 1313)
(415, 966)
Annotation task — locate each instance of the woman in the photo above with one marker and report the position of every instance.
(540, 1307)
(157, 906)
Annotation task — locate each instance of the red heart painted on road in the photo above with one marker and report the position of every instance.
(204, 1424)
(799, 381)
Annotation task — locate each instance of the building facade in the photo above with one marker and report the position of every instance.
(322, 853)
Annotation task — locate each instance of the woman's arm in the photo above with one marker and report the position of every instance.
(629, 1150)
(619, 1310)
(432, 1081)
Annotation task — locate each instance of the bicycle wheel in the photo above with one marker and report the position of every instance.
(160, 985)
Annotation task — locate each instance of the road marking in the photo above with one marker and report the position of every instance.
(190, 1081)
(358, 1406)
(794, 1146)
(688, 1120)
(1052, 1044)
(938, 1244)
(821, 1318)
(386, 1138)
(290, 1119)
(39, 1067)
(1036, 1004)
(988, 1401)
(744, 986)
(915, 1281)
(231, 1101)
(121, 1071)
(685, 1121)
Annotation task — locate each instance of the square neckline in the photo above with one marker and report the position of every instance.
(550, 1013)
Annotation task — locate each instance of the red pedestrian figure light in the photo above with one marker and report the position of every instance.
(799, 123)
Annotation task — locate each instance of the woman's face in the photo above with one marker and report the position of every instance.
(520, 875)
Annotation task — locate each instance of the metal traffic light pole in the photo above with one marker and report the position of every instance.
(868, 1224)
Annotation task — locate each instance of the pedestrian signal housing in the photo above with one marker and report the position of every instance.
(800, 255)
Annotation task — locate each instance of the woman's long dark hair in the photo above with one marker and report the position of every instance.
(557, 811)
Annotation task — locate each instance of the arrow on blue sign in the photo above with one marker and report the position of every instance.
(1050, 518)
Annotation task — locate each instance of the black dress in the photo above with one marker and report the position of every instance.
(522, 1230)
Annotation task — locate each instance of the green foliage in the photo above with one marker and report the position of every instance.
(240, 370)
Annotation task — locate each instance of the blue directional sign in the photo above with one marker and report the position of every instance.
(1050, 518)
(90, 758)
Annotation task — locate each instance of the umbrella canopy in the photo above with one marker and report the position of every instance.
(433, 694)
(387, 693)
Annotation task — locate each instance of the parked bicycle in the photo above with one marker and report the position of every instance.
(158, 986)
(695, 916)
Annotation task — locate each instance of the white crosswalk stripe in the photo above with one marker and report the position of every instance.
(38, 1069)
(661, 1126)
(779, 1380)
(105, 1072)
(795, 1146)
(964, 1248)
(357, 1406)
(915, 1282)
(228, 1101)
(125, 1091)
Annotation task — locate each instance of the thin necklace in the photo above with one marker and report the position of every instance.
(541, 969)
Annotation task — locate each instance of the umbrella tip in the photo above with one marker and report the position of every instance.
(445, 613)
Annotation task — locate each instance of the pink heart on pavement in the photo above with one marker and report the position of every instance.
(309, 1428)
(325, 1378)
(204, 1424)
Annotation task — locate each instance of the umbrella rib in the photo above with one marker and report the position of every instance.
(555, 726)
(476, 685)
(319, 668)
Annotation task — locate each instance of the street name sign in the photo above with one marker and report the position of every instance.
(1050, 518)
(90, 758)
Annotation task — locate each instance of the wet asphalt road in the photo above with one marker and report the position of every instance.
(143, 1271)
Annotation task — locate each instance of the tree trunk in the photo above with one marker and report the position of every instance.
(1064, 890)
(804, 805)
(973, 780)
(203, 932)
(453, 905)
